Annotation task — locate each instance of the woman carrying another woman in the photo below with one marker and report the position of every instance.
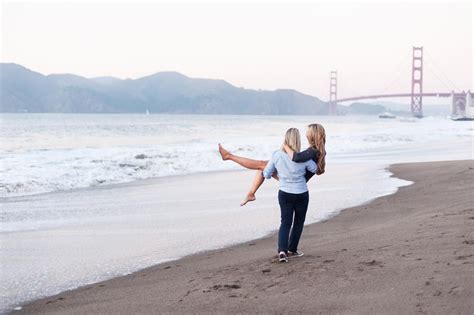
(293, 195)
(316, 136)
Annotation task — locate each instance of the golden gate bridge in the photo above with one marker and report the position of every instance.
(461, 102)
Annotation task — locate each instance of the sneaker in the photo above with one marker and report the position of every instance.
(295, 254)
(282, 257)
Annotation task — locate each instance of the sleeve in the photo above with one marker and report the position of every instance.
(270, 168)
(308, 175)
(306, 155)
(311, 166)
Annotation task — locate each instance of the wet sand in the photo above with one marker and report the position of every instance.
(405, 253)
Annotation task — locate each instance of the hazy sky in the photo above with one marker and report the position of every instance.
(257, 44)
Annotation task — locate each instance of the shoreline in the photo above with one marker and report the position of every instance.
(229, 278)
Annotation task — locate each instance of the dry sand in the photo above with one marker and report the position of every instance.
(411, 252)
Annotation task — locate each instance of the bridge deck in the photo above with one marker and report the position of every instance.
(365, 97)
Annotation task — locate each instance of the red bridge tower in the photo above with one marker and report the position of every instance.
(417, 82)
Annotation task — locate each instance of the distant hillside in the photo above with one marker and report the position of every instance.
(23, 90)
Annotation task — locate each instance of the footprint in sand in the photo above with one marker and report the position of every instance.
(373, 262)
(221, 287)
(187, 293)
(454, 290)
(271, 285)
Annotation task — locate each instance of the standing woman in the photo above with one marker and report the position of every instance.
(293, 195)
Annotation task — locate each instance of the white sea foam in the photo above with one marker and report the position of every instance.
(44, 153)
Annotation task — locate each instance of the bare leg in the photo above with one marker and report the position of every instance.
(245, 162)
(250, 164)
(257, 182)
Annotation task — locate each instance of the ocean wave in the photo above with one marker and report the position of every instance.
(55, 159)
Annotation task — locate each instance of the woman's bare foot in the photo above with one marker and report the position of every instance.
(224, 153)
(248, 198)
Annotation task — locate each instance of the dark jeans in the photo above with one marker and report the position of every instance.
(293, 212)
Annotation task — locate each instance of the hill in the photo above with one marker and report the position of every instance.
(23, 90)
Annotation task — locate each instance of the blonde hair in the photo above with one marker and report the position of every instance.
(293, 139)
(317, 140)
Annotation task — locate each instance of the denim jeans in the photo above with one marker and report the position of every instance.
(293, 213)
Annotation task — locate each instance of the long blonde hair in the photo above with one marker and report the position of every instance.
(292, 139)
(317, 140)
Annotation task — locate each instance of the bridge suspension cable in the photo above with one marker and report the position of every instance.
(402, 66)
(451, 86)
(347, 87)
(443, 82)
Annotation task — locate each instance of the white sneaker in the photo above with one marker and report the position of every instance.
(282, 257)
(295, 254)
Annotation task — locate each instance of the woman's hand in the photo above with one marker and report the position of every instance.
(289, 151)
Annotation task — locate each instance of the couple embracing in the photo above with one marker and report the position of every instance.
(292, 169)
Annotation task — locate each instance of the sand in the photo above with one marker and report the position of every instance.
(411, 252)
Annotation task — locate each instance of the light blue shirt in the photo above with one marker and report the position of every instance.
(290, 174)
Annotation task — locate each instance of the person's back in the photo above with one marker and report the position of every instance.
(291, 174)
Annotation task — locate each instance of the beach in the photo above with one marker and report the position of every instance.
(131, 173)
(408, 252)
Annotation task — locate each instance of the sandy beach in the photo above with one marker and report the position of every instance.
(405, 253)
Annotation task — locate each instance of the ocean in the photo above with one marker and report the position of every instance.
(86, 197)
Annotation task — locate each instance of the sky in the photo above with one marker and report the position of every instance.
(252, 44)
